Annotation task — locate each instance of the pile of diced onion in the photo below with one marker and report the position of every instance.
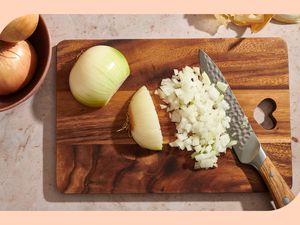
(198, 109)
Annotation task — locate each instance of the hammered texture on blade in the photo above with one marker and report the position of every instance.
(240, 129)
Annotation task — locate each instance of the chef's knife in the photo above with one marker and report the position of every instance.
(248, 148)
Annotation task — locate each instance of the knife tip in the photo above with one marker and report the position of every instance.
(202, 57)
(201, 52)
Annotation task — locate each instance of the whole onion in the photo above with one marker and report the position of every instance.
(17, 65)
(20, 28)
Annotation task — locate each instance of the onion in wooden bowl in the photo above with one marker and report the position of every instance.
(40, 40)
(17, 65)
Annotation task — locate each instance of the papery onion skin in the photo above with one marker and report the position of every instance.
(20, 28)
(97, 75)
(287, 18)
(259, 26)
(256, 21)
(17, 65)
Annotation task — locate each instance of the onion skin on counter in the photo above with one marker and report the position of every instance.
(287, 18)
(255, 21)
(17, 65)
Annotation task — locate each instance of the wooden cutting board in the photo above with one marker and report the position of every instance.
(92, 157)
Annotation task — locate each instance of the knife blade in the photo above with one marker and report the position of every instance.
(248, 148)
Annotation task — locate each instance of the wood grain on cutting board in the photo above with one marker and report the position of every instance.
(92, 157)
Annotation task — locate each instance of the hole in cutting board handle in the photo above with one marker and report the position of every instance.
(263, 114)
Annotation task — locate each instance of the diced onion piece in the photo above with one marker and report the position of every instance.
(144, 123)
(205, 78)
(198, 109)
(222, 86)
(163, 106)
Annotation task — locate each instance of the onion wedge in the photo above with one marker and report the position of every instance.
(144, 122)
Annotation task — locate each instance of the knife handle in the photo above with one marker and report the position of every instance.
(280, 191)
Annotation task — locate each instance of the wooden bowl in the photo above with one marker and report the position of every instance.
(40, 40)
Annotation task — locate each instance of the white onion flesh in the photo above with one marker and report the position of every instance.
(97, 75)
(198, 109)
(144, 122)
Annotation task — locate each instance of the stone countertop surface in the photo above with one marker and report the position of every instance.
(27, 132)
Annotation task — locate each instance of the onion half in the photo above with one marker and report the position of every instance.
(97, 75)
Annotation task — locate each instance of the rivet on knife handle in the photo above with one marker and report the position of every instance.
(280, 191)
